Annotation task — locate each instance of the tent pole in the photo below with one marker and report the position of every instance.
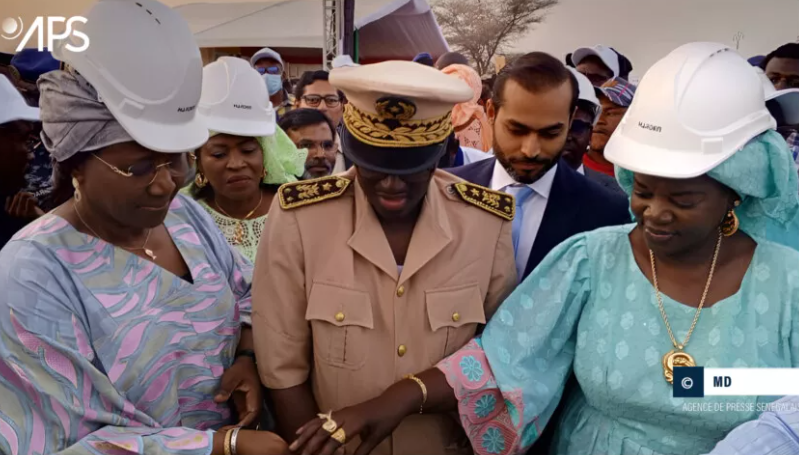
(348, 28)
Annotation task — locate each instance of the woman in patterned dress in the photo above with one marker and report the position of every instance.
(247, 157)
(124, 314)
(621, 306)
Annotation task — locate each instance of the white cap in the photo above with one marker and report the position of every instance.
(694, 109)
(343, 61)
(587, 92)
(146, 67)
(608, 56)
(234, 99)
(12, 104)
(785, 101)
(266, 53)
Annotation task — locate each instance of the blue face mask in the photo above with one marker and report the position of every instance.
(274, 83)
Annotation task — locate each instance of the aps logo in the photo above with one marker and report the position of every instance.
(14, 28)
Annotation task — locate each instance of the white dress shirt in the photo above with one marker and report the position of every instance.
(581, 169)
(533, 207)
(471, 155)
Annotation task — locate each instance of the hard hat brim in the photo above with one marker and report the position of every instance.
(243, 128)
(164, 137)
(646, 159)
(20, 112)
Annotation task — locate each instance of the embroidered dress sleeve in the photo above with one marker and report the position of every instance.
(509, 381)
(55, 399)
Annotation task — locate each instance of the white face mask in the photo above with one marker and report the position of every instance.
(274, 83)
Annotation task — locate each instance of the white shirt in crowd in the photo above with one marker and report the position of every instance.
(534, 208)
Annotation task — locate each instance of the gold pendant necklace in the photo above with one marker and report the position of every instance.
(238, 231)
(677, 357)
(148, 252)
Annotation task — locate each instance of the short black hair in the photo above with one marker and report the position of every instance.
(300, 118)
(535, 72)
(308, 78)
(790, 50)
(451, 58)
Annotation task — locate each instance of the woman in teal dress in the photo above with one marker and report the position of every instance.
(714, 193)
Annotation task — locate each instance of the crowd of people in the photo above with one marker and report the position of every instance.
(394, 258)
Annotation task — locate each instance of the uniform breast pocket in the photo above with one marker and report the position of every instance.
(341, 320)
(454, 315)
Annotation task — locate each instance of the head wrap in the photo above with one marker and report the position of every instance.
(73, 117)
(464, 114)
(763, 174)
(283, 161)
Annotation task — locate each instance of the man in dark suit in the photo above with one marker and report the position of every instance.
(531, 111)
(534, 102)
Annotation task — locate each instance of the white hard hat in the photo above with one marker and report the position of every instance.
(587, 92)
(694, 109)
(234, 99)
(12, 104)
(145, 65)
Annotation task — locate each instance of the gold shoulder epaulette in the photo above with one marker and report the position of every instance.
(307, 192)
(496, 202)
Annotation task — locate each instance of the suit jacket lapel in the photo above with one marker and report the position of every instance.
(369, 240)
(558, 217)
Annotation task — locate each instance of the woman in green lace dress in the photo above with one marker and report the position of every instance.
(247, 158)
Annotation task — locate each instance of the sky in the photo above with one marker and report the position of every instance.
(643, 30)
(647, 30)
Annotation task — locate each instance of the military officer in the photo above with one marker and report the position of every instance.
(370, 275)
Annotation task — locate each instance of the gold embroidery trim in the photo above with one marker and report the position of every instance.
(372, 131)
(307, 192)
(501, 204)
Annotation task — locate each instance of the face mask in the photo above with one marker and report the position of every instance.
(274, 83)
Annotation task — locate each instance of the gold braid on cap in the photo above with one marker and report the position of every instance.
(375, 131)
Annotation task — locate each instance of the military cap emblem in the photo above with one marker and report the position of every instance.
(307, 192)
(500, 204)
(395, 108)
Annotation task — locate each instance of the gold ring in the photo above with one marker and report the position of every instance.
(340, 436)
(330, 425)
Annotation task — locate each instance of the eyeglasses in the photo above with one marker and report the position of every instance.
(147, 170)
(269, 69)
(326, 146)
(316, 100)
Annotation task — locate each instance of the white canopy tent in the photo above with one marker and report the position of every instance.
(386, 28)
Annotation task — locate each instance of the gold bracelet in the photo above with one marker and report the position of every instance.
(228, 437)
(422, 386)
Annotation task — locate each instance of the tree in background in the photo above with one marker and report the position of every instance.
(481, 28)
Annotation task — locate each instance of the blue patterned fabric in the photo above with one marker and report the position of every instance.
(588, 308)
(764, 176)
(103, 352)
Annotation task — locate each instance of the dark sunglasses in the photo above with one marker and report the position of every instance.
(269, 69)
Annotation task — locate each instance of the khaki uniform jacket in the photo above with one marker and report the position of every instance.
(329, 304)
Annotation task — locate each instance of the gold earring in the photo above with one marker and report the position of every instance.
(263, 174)
(76, 185)
(200, 180)
(730, 224)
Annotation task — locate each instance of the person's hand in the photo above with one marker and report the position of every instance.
(241, 381)
(373, 421)
(23, 205)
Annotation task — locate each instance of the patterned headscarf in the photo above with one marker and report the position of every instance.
(464, 114)
(762, 173)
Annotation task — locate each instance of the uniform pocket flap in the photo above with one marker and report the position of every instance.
(455, 307)
(339, 306)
